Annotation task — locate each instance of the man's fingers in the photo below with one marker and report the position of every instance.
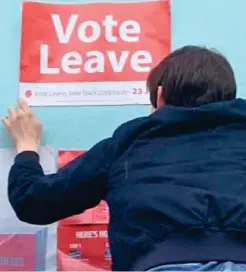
(6, 122)
(12, 113)
(20, 111)
(24, 106)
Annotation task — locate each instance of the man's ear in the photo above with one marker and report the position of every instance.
(160, 101)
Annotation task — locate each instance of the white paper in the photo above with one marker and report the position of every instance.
(8, 220)
(85, 93)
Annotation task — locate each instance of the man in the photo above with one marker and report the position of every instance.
(175, 181)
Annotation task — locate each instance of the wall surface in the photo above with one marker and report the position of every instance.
(215, 23)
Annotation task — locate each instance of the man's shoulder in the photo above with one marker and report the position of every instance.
(130, 128)
(127, 133)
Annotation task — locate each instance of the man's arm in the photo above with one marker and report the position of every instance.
(43, 199)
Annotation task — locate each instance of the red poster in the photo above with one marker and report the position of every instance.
(91, 53)
(82, 240)
(23, 251)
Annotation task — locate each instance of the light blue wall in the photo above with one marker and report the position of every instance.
(214, 23)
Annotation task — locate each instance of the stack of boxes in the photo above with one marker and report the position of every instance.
(82, 240)
(22, 248)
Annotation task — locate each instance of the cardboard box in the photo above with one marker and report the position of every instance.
(22, 248)
(97, 215)
(83, 248)
(82, 240)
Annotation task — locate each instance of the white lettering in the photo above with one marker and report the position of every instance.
(130, 27)
(95, 28)
(86, 234)
(103, 234)
(95, 63)
(128, 31)
(141, 61)
(109, 23)
(71, 59)
(44, 61)
(118, 65)
(64, 35)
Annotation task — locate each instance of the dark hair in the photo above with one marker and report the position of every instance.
(192, 76)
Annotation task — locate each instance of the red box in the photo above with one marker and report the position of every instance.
(82, 240)
(97, 215)
(83, 248)
(22, 248)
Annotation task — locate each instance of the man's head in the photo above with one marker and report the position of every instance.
(191, 76)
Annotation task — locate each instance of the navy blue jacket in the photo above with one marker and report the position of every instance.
(175, 182)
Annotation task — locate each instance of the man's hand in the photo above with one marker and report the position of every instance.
(24, 128)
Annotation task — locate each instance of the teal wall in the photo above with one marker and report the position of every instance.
(214, 23)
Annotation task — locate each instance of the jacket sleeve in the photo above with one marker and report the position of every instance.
(44, 199)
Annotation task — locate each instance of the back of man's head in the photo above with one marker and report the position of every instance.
(192, 76)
